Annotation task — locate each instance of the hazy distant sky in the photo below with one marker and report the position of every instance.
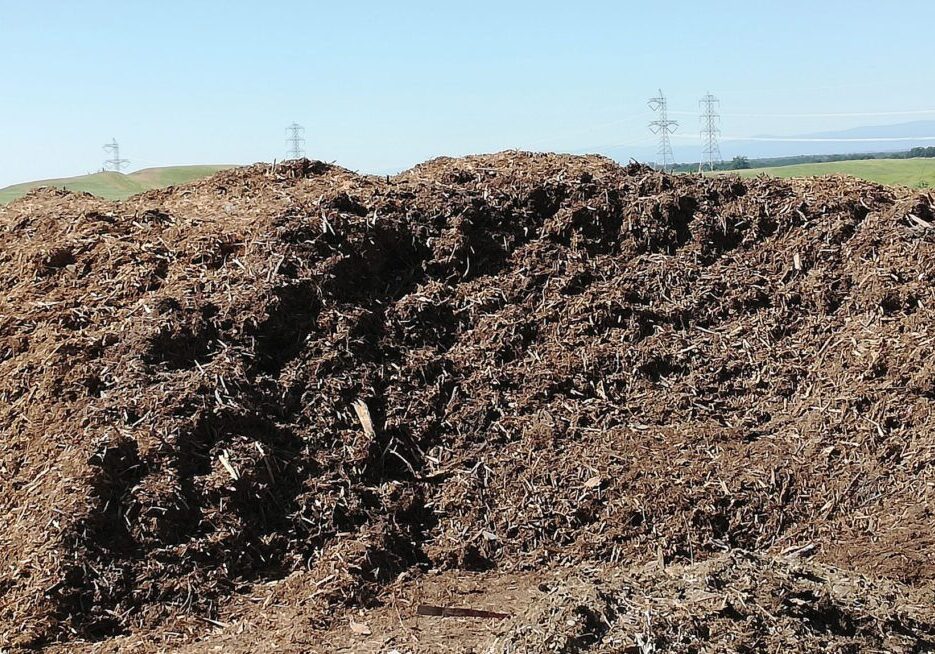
(382, 85)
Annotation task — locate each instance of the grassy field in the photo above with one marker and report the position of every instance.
(905, 172)
(117, 186)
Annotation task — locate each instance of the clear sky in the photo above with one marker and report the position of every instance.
(382, 85)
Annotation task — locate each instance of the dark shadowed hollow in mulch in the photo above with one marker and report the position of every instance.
(687, 414)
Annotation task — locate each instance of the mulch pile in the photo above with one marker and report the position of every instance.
(506, 363)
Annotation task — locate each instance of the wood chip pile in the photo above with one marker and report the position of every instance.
(507, 363)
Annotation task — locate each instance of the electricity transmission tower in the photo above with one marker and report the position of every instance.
(663, 127)
(295, 139)
(115, 163)
(710, 118)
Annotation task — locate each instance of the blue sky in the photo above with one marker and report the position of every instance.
(380, 86)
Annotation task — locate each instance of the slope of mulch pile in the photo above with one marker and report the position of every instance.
(503, 363)
(737, 602)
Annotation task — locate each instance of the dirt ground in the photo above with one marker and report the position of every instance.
(281, 408)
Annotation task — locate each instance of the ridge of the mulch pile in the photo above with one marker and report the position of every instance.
(506, 362)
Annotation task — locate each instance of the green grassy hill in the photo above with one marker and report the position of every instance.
(905, 172)
(117, 186)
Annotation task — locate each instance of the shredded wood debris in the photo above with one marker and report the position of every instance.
(281, 388)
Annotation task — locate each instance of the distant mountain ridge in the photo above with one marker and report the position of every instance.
(685, 150)
(916, 129)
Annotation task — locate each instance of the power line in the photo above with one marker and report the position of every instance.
(840, 114)
(791, 139)
(711, 151)
(115, 163)
(591, 128)
(663, 127)
(295, 139)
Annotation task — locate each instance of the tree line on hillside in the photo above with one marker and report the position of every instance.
(742, 163)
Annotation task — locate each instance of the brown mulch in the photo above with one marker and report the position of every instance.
(510, 363)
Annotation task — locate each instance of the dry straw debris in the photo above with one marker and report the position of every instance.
(505, 363)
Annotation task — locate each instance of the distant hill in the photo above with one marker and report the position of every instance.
(905, 172)
(117, 186)
(915, 132)
(689, 149)
(914, 129)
